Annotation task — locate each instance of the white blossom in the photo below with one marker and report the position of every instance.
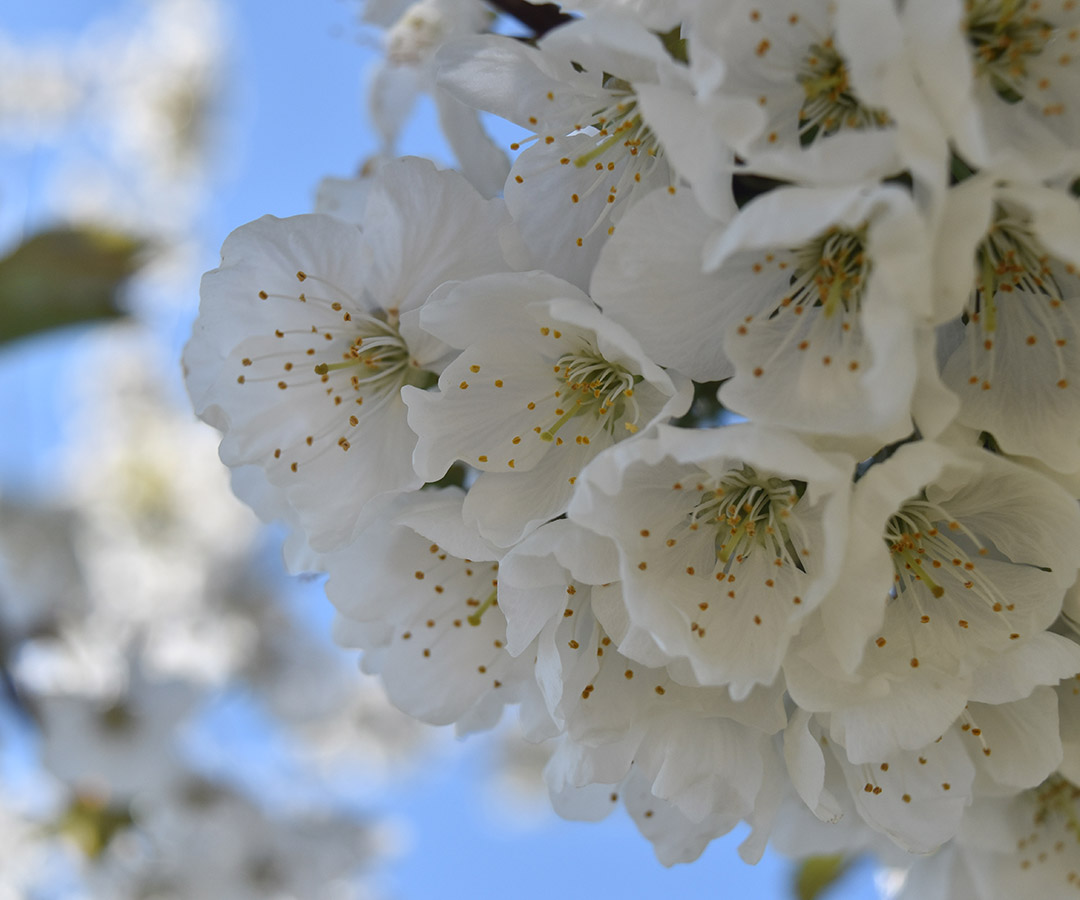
(794, 61)
(430, 622)
(945, 583)
(591, 153)
(1010, 251)
(1011, 847)
(1001, 76)
(544, 383)
(309, 329)
(727, 540)
(411, 43)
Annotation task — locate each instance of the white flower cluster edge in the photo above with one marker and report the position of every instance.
(846, 619)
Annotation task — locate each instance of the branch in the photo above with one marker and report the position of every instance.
(539, 17)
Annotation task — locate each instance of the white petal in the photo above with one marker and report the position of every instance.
(1018, 743)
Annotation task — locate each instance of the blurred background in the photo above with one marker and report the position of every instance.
(174, 720)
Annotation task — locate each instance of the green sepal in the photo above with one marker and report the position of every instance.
(816, 874)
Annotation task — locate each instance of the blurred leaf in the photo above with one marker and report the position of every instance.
(64, 276)
(816, 873)
(92, 823)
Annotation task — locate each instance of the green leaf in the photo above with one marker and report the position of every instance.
(816, 874)
(675, 44)
(92, 823)
(64, 276)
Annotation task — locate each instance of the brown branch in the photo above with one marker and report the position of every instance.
(540, 18)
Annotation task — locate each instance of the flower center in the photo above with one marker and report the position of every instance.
(415, 36)
(830, 102)
(378, 358)
(1009, 257)
(928, 546)
(1057, 798)
(619, 125)
(595, 386)
(1004, 36)
(622, 150)
(831, 271)
(749, 512)
(620, 133)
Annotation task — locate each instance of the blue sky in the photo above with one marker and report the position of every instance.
(298, 115)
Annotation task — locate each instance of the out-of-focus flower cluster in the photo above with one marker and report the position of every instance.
(132, 102)
(730, 430)
(170, 725)
(134, 607)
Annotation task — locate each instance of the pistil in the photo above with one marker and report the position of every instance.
(381, 352)
(475, 618)
(1009, 257)
(749, 512)
(920, 537)
(597, 386)
(831, 103)
(832, 271)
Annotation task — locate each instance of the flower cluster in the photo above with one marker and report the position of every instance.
(737, 440)
(132, 603)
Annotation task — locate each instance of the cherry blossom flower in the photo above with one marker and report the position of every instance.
(624, 722)
(544, 383)
(943, 587)
(727, 539)
(426, 616)
(412, 40)
(309, 329)
(1009, 254)
(1002, 75)
(916, 798)
(803, 66)
(591, 152)
(1016, 846)
(820, 299)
